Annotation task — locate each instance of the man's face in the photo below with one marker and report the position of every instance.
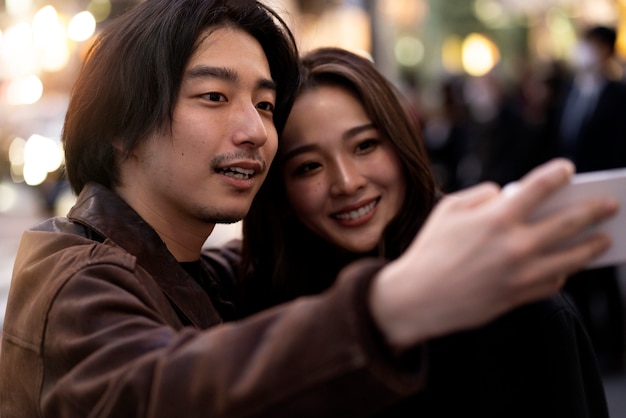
(212, 163)
(586, 57)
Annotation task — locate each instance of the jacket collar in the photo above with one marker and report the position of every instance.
(103, 211)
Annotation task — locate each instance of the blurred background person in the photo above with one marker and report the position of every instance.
(590, 129)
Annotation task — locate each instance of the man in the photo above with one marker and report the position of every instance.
(170, 129)
(591, 129)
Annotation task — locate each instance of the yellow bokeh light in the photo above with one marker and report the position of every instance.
(16, 52)
(404, 12)
(41, 156)
(409, 51)
(43, 153)
(479, 54)
(451, 54)
(33, 175)
(100, 9)
(8, 197)
(24, 90)
(491, 13)
(49, 36)
(81, 27)
(45, 26)
(18, 7)
(346, 27)
(16, 39)
(16, 151)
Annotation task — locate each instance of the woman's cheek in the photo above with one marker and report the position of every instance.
(306, 197)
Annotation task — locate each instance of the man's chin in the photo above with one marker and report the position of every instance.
(225, 218)
(228, 221)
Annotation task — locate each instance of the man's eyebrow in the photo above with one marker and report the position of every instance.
(223, 73)
(205, 71)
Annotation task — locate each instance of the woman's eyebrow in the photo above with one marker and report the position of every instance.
(357, 130)
(299, 150)
(314, 147)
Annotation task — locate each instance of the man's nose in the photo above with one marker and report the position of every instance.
(250, 126)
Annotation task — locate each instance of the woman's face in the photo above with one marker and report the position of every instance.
(342, 177)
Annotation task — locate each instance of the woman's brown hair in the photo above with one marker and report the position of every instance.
(282, 259)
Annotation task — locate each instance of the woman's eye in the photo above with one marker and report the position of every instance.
(214, 97)
(267, 106)
(303, 169)
(367, 145)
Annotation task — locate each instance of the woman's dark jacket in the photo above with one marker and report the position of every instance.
(536, 361)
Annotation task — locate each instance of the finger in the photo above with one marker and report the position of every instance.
(550, 273)
(472, 196)
(570, 223)
(573, 258)
(537, 185)
(536, 269)
(577, 256)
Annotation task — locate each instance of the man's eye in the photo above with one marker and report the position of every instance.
(214, 97)
(267, 106)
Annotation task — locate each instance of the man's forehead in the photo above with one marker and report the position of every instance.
(217, 41)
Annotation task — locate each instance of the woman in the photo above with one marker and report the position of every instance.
(352, 180)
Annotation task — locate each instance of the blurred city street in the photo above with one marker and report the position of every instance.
(26, 212)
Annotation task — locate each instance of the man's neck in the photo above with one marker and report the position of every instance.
(184, 238)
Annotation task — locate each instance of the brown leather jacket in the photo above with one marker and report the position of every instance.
(103, 322)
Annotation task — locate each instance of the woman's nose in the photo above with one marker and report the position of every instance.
(347, 179)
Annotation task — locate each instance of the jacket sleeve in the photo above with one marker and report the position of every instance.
(109, 351)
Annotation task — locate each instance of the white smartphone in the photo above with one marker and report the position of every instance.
(582, 187)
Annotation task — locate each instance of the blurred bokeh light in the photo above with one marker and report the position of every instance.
(418, 44)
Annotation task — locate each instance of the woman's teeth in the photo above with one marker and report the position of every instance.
(356, 214)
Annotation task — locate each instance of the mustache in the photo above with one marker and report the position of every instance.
(225, 159)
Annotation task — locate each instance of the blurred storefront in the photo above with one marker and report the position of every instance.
(416, 43)
(41, 47)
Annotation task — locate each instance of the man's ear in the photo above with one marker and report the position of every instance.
(117, 146)
(120, 149)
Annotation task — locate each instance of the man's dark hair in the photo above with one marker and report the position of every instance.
(604, 35)
(129, 83)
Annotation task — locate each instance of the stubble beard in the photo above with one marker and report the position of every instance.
(220, 216)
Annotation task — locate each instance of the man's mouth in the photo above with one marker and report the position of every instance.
(356, 213)
(237, 172)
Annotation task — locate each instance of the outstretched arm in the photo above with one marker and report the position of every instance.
(478, 256)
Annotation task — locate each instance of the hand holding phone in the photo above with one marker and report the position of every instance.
(589, 185)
